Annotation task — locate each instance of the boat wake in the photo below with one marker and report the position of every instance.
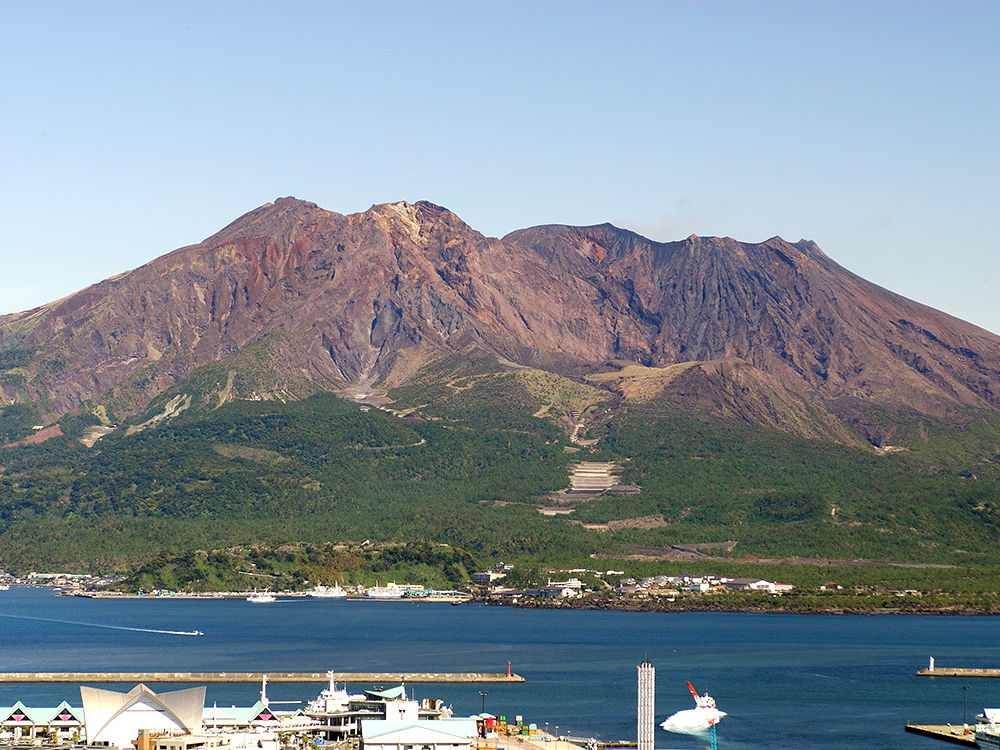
(102, 625)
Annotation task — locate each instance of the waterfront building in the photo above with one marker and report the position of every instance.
(443, 734)
(332, 711)
(179, 720)
(115, 719)
(487, 577)
(152, 741)
(340, 715)
(256, 718)
(64, 723)
(558, 589)
(757, 584)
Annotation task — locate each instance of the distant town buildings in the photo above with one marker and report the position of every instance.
(673, 585)
(664, 586)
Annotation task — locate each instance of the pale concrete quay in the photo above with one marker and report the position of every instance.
(946, 732)
(957, 672)
(933, 670)
(250, 677)
(520, 742)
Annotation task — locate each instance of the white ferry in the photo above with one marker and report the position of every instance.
(328, 592)
(260, 597)
(389, 591)
(987, 729)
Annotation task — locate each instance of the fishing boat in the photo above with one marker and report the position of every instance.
(328, 592)
(260, 597)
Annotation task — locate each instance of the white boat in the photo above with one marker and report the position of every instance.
(702, 718)
(390, 591)
(987, 729)
(4, 587)
(260, 597)
(328, 592)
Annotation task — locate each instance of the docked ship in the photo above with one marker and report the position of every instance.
(987, 729)
(389, 591)
(328, 592)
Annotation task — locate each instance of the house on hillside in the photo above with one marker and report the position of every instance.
(757, 584)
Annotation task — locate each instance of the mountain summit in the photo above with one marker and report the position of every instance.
(772, 332)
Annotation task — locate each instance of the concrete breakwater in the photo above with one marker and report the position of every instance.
(932, 670)
(958, 672)
(251, 677)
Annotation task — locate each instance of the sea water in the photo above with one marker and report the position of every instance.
(786, 681)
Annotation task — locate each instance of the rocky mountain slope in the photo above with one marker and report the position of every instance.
(780, 334)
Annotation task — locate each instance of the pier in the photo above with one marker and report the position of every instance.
(253, 677)
(531, 743)
(957, 672)
(932, 670)
(946, 732)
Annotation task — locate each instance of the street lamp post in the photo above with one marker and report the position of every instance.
(483, 694)
(965, 714)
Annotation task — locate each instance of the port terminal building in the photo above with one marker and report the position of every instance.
(179, 720)
(21, 723)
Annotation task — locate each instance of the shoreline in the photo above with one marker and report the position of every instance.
(237, 595)
(652, 605)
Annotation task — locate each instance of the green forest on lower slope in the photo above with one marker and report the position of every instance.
(312, 470)
(778, 495)
(322, 470)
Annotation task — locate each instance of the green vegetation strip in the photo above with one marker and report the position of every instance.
(285, 496)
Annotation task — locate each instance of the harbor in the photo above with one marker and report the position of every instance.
(578, 667)
(183, 720)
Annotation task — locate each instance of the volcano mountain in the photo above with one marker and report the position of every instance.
(772, 333)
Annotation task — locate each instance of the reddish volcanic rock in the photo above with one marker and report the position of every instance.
(348, 295)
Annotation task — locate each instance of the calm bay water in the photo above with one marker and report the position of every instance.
(786, 681)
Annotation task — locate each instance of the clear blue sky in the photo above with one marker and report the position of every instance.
(133, 128)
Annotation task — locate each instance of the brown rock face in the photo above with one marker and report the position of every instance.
(349, 294)
(784, 308)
